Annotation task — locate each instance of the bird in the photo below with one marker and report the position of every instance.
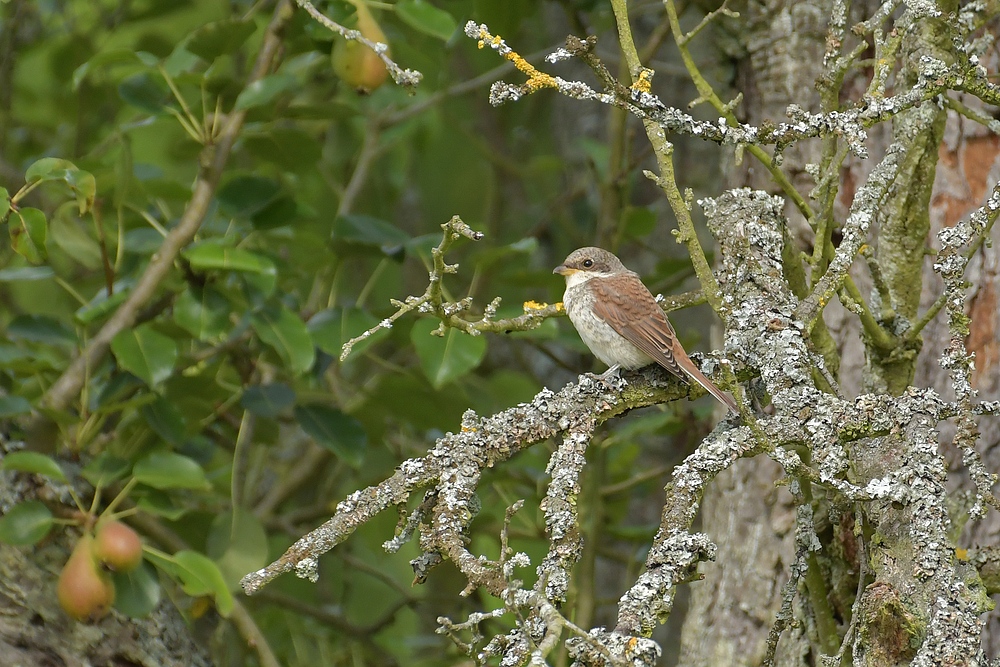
(619, 320)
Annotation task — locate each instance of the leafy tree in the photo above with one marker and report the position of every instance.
(263, 272)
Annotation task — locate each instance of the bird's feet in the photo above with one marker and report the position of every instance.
(611, 378)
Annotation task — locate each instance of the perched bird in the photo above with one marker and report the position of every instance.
(620, 321)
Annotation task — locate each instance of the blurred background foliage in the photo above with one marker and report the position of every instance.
(327, 210)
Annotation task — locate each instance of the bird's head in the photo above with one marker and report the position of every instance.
(586, 263)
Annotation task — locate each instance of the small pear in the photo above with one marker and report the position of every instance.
(84, 591)
(356, 64)
(117, 547)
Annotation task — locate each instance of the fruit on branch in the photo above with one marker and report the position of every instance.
(84, 591)
(117, 547)
(355, 63)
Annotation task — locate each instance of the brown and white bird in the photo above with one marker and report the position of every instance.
(620, 321)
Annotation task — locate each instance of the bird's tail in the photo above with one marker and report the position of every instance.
(688, 367)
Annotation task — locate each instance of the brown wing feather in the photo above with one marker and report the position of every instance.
(638, 318)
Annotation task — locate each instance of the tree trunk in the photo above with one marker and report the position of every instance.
(734, 609)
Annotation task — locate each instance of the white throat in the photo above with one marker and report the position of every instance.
(580, 277)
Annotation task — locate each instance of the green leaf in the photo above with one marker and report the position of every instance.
(259, 287)
(427, 18)
(180, 61)
(48, 169)
(104, 469)
(102, 304)
(283, 331)
(158, 503)
(203, 313)
(165, 420)
(446, 358)
(40, 329)
(263, 91)
(84, 185)
(109, 57)
(4, 203)
(284, 210)
(367, 233)
(213, 256)
(219, 38)
(144, 92)
(33, 462)
(56, 169)
(333, 327)
(25, 524)
(268, 400)
(238, 544)
(638, 221)
(331, 428)
(137, 592)
(13, 357)
(143, 241)
(199, 576)
(291, 148)
(28, 231)
(167, 470)
(69, 233)
(145, 353)
(11, 406)
(26, 274)
(244, 196)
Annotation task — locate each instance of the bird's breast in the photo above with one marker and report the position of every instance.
(606, 343)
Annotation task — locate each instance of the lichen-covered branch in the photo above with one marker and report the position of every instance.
(850, 125)
(864, 210)
(951, 264)
(482, 442)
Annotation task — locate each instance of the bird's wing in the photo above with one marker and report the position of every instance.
(638, 318)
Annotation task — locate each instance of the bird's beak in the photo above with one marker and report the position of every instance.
(564, 270)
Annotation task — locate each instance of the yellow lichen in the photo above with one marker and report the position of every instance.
(534, 305)
(536, 80)
(642, 84)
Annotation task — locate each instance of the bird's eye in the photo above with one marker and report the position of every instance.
(587, 263)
